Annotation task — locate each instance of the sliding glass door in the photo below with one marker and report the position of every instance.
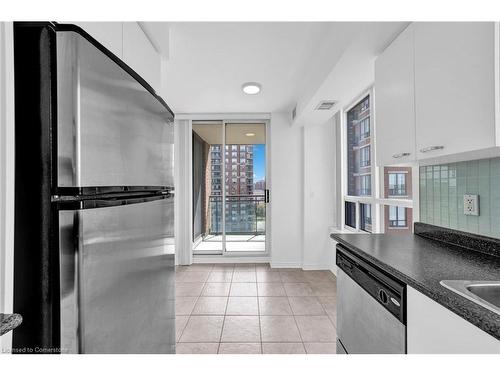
(229, 188)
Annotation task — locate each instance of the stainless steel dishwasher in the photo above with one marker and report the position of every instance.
(371, 311)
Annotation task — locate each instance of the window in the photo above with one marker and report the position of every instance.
(365, 185)
(357, 156)
(364, 128)
(364, 159)
(366, 217)
(397, 184)
(375, 199)
(350, 214)
(397, 217)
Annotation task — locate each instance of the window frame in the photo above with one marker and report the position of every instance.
(376, 199)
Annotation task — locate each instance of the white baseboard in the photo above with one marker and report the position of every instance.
(285, 265)
(229, 259)
(317, 267)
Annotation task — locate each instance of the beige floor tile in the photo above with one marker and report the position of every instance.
(210, 306)
(274, 306)
(180, 324)
(192, 277)
(295, 276)
(283, 348)
(184, 305)
(316, 329)
(306, 306)
(188, 289)
(270, 290)
(223, 267)
(244, 277)
(216, 289)
(244, 267)
(319, 276)
(241, 329)
(279, 329)
(197, 348)
(268, 277)
(320, 347)
(324, 288)
(240, 348)
(220, 276)
(179, 276)
(298, 289)
(330, 306)
(243, 290)
(203, 329)
(242, 306)
(197, 267)
(265, 267)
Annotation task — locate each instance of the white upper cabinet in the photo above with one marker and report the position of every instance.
(109, 34)
(395, 101)
(454, 87)
(128, 42)
(140, 55)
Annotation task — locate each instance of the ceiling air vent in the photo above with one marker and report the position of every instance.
(325, 105)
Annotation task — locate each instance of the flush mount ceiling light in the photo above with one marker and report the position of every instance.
(250, 134)
(251, 88)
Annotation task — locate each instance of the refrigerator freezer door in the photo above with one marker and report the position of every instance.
(111, 131)
(117, 279)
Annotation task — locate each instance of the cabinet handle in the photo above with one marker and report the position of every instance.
(431, 148)
(401, 155)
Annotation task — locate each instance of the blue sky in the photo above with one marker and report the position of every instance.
(259, 162)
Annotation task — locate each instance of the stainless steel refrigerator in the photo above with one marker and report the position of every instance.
(94, 231)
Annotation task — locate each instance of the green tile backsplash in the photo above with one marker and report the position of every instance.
(442, 188)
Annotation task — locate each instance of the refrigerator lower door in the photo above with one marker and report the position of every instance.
(111, 131)
(117, 279)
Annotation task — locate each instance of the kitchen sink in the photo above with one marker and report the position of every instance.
(484, 293)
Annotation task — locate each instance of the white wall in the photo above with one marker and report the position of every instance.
(286, 192)
(6, 175)
(319, 196)
(183, 192)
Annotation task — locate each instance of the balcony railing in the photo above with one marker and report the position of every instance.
(397, 223)
(245, 214)
(398, 190)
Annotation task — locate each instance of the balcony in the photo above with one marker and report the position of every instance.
(397, 191)
(245, 224)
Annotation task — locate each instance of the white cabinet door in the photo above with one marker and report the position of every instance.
(140, 55)
(433, 329)
(454, 87)
(109, 34)
(395, 101)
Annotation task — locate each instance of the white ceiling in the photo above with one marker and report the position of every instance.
(236, 133)
(209, 61)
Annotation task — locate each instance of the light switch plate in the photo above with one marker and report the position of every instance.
(471, 204)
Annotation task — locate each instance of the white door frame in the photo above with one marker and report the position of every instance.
(267, 245)
(7, 139)
(184, 186)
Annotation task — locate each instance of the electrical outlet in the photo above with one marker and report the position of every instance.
(471, 204)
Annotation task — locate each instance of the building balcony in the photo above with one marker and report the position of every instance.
(245, 225)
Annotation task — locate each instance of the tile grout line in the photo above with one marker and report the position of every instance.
(258, 316)
(224, 318)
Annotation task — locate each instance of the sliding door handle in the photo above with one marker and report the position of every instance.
(266, 198)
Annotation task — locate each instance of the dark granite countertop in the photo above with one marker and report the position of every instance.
(8, 322)
(422, 263)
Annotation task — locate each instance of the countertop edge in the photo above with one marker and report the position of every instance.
(455, 303)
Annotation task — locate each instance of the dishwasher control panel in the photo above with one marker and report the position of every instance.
(388, 291)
